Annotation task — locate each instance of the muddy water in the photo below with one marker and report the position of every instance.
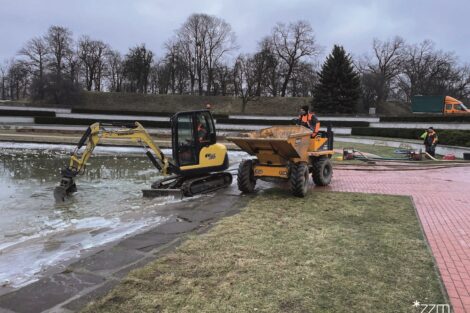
(36, 233)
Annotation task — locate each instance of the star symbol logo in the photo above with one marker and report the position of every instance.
(416, 303)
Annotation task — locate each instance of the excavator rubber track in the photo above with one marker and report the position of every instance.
(184, 186)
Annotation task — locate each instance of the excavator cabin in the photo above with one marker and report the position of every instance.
(195, 147)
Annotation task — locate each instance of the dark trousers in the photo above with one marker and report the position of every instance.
(431, 150)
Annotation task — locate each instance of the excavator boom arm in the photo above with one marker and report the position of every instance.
(92, 136)
(136, 133)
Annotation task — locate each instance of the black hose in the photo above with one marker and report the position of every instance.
(153, 160)
(84, 138)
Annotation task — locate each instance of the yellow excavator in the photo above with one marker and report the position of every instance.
(197, 164)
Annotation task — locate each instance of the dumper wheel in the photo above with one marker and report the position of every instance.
(246, 178)
(322, 171)
(299, 179)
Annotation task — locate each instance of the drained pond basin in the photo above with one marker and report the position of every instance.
(37, 233)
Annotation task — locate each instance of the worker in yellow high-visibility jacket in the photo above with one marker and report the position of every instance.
(430, 141)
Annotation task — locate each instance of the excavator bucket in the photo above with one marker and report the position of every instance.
(60, 194)
(67, 186)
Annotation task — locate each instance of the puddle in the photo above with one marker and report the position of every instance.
(36, 233)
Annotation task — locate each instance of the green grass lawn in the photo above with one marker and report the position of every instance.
(328, 252)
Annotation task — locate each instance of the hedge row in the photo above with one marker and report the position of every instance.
(26, 113)
(446, 137)
(139, 113)
(87, 121)
(427, 119)
(268, 122)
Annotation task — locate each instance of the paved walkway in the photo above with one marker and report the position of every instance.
(442, 199)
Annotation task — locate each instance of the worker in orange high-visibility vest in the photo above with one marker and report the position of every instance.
(309, 120)
(201, 129)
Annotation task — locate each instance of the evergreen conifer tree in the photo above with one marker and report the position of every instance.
(339, 86)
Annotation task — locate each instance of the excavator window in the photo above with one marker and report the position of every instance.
(191, 132)
(186, 152)
(205, 128)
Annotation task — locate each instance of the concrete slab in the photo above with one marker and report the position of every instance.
(80, 302)
(176, 227)
(198, 216)
(48, 292)
(147, 241)
(59, 310)
(107, 261)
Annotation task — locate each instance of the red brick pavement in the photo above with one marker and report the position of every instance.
(442, 199)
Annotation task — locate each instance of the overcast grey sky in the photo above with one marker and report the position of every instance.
(351, 23)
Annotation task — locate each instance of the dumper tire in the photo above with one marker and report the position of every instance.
(298, 179)
(246, 177)
(322, 171)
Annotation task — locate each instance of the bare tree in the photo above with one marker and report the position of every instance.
(273, 70)
(4, 77)
(245, 79)
(18, 75)
(222, 80)
(92, 55)
(115, 69)
(303, 81)
(266, 69)
(385, 65)
(164, 77)
(460, 87)
(137, 65)
(292, 43)
(154, 84)
(174, 58)
(35, 51)
(219, 40)
(74, 66)
(192, 36)
(59, 41)
(203, 41)
(426, 70)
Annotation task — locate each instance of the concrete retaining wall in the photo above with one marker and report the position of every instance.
(16, 120)
(172, 103)
(460, 126)
(320, 117)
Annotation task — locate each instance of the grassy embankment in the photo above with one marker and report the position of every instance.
(328, 252)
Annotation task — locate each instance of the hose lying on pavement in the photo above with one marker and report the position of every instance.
(385, 168)
(376, 163)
